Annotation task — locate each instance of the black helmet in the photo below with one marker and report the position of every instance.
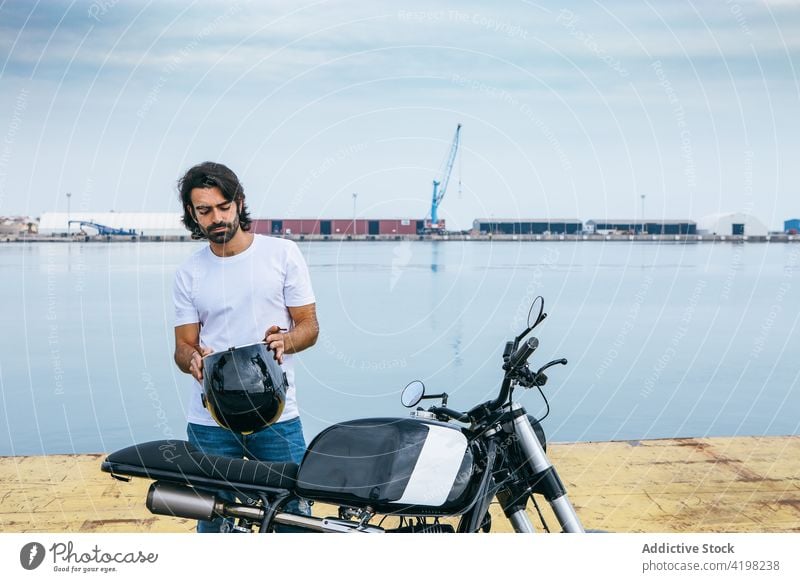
(244, 388)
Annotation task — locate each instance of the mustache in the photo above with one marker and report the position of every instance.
(219, 225)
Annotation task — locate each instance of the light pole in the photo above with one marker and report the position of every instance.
(355, 197)
(69, 195)
(643, 223)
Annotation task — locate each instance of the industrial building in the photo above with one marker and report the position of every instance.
(484, 226)
(733, 224)
(151, 224)
(166, 224)
(338, 227)
(632, 226)
(169, 226)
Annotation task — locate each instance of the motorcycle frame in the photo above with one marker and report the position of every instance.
(541, 478)
(510, 464)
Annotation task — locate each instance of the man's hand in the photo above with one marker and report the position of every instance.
(305, 331)
(196, 362)
(276, 342)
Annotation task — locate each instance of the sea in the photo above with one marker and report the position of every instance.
(662, 340)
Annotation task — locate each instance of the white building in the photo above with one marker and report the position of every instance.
(144, 223)
(737, 223)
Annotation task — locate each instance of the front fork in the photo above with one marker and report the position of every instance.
(545, 477)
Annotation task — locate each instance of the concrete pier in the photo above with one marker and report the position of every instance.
(742, 484)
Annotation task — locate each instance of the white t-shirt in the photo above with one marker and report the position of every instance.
(236, 299)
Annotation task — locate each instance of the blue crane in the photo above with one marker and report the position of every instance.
(102, 229)
(438, 194)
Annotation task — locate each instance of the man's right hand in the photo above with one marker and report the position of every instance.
(196, 363)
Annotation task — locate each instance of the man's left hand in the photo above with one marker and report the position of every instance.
(276, 342)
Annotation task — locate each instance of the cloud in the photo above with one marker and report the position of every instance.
(276, 40)
(526, 74)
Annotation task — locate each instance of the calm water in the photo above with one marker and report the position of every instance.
(662, 340)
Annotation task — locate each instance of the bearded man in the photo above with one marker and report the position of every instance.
(240, 289)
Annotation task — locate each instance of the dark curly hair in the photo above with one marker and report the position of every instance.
(208, 175)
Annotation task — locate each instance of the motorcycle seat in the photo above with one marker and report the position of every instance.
(180, 462)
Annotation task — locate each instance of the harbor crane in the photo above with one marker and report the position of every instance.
(102, 229)
(438, 193)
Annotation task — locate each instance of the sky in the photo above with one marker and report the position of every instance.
(671, 109)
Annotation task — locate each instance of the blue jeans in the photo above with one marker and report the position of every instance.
(282, 442)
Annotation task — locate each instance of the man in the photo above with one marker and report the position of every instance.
(240, 289)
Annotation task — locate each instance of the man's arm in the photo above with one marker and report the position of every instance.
(188, 351)
(303, 335)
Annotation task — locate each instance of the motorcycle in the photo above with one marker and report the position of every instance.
(438, 463)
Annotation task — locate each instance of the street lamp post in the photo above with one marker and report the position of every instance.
(69, 195)
(643, 223)
(355, 197)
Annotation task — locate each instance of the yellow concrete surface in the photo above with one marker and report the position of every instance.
(742, 484)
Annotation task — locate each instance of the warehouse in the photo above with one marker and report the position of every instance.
(337, 227)
(484, 226)
(149, 224)
(632, 226)
(733, 224)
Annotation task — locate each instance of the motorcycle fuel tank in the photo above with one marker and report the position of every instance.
(398, 465)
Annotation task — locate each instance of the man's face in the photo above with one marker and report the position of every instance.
(217, 217)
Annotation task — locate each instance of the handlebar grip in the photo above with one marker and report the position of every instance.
(450, 413)
(522, 354)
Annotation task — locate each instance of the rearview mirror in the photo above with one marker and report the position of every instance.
(412, 393)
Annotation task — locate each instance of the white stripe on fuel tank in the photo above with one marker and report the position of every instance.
(437, 467)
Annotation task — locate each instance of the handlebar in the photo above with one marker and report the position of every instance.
(522, 354)
(516, 370)
(450, 413)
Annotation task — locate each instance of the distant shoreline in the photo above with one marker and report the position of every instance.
(650, 238)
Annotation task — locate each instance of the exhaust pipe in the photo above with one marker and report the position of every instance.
(181, 501)
(325, 524)
(175, 500)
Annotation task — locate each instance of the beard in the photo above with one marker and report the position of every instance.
(221, 237)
